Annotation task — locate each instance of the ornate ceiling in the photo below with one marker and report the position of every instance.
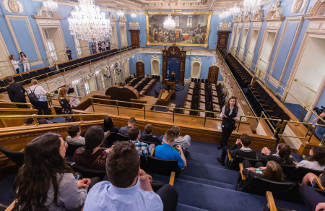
(169, 4)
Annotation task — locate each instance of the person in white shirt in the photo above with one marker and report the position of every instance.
(316, 161)
(40, 92)
(24, 61)
(14, 63)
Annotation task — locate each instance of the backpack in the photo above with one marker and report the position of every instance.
(33, 98)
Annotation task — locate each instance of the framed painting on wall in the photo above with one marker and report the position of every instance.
(192, 29)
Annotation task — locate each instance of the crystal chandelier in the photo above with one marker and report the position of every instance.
(87, 22)
(169, 23)
(50, 4)
(251, 5)
(231, 12)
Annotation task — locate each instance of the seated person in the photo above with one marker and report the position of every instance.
(74, 137)
(92, 155)
(128, 187)
(314, 200)
(241, 149)
(272, 171)
(58, 190)
(316, 161)
(131, 123)
(134, 137)
(147, 136)
(282, 155)
(109, 125)
(167, 152)
(184, 141)
(309, 179)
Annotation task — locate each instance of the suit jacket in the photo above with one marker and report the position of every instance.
(16, 92)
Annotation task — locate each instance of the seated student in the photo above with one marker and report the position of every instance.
(74, 137)
(131, 123)
(55, 187)
(184, 141)
(314, 200)
(110, 132)
(147, 136)
(309, 179)
(134, 137)
(282, 155)
(272, 171)
(241, 149)
(109, 125)
(128, 187)
(92, 155)
(316, 161)
(167, 152)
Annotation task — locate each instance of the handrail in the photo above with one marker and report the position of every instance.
(145, 104)
(64, 69)
(16, 103)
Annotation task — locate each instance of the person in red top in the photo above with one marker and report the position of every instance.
(92, 155)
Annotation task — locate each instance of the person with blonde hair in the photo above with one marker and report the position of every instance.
(272, 171)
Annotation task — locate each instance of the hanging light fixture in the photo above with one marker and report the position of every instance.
(50, 4)
(120, 13)
(133, 15)
(87, 22)
(251, 5)
(169, 23)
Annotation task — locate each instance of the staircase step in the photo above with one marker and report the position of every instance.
(215, 198)
(185, 207)
(211, 172)
(206, 181)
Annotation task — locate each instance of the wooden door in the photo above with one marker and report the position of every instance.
(222, 40)
(135, 38)
(213, 74)
(140, 69)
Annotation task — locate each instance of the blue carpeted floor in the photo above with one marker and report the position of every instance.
(203, 185)
(206, 185)
(178, 100)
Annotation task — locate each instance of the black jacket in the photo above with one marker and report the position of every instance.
(150, 139)
(16, 92)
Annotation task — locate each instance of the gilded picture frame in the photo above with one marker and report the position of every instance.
(191, 38)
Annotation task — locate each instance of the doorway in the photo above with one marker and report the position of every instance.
(265, 55)
(54, 44)
(242, 44)
(307, 80)
(251, 48)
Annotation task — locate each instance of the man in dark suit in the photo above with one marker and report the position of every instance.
(16, 92)
(147, 137)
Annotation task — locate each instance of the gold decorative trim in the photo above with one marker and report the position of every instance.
(317, 9)
(205, 45)
(31, 33)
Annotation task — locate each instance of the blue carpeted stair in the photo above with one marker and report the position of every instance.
(207, 185)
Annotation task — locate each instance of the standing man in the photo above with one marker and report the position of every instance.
(16, 92)
(68, 52)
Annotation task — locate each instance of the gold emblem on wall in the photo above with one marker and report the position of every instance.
(13, 6)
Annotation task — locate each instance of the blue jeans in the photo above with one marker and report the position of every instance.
(319, 132)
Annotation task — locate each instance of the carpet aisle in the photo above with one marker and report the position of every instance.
(207, 185)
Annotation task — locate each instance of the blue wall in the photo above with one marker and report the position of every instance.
(206, 61)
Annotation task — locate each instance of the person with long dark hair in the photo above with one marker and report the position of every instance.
(24, 60)
(16, 91)
(316, 160)
(92, 155)
(229, 115)
(45, 181)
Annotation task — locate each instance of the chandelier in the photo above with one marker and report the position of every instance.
(169, 23)
(87, 22)
(50, 5)
(251, 5)
(231, 12)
